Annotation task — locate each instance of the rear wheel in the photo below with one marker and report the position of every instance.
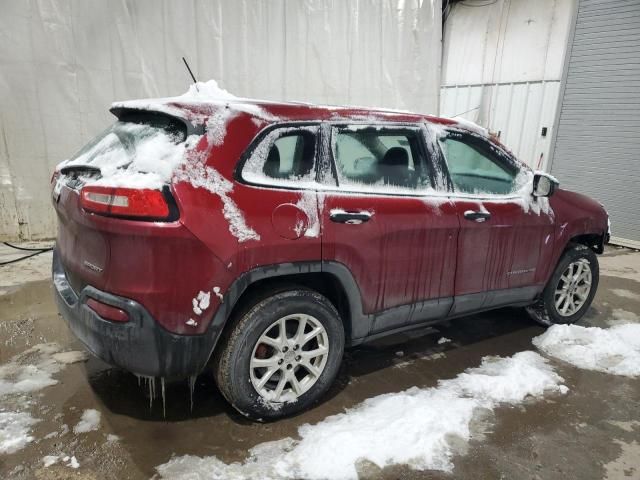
(571, 289)
(281, 356)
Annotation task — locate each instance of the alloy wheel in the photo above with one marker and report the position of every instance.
(573, 288)
(289, 357)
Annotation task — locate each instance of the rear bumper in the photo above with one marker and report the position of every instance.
(140, 345)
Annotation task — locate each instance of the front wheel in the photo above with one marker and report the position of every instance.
(571, 289)
(282, 355)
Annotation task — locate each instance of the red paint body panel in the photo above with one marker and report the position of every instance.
(410, 251)
(506, 251)
(405, 254)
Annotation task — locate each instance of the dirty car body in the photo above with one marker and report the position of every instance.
(391, 217)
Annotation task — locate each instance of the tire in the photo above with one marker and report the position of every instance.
(545, 310)
(255, 338)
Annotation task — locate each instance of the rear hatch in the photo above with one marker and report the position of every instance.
(124, 172)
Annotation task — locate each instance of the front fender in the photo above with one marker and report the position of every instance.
(576, 215)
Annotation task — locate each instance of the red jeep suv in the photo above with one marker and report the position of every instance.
(260, 239)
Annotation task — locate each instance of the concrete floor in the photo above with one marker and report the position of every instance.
(591, 433)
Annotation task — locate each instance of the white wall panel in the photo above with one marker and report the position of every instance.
(515, 111)
(63, 62)
(503, 61)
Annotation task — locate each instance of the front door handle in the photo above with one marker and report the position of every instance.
(350, 218)
(477, 216)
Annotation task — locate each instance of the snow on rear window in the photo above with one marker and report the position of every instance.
(134, 154)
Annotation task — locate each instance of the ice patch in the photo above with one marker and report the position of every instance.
(417, 427)
(615, 350)
(14, 431)
(621, 292)
(89, 421)
(68, 358)
(620, 316)
(308, 204)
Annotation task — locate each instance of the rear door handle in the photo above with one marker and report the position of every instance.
(477, 216)
(350, 218)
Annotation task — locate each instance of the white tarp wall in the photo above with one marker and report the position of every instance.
(62, 63)
(501, 67)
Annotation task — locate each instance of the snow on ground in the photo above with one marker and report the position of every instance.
(30, 370)
(614, 350)
(621, 292)
(620, 316)
(89, 421)
(25, 373)
(398, 428)
(14, 430)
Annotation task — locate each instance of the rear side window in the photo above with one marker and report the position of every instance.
(286, 156)
(477, 168)
(377, 160)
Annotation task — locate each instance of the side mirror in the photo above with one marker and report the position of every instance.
(544, 185)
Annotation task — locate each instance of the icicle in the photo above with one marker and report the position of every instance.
(164, 399)
(150, 393)
(192, 387)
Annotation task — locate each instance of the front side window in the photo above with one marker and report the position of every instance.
(477, 168)
(371, 159)
(284, 157)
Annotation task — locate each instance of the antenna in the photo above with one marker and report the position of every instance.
(191, 73)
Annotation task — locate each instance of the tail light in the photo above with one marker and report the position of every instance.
(107, 311)
(125, 202)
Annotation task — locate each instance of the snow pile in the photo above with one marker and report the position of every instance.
(417, 427)
(14, 431)
(615, 350)
(89, 421)
(206, 91)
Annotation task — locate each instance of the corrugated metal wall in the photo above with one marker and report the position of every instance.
(502, 64)
(62, 63)
(597, 149)
(516, 111)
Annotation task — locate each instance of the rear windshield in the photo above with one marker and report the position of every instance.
(136, 137)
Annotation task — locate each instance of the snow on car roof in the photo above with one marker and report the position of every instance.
(204, 98)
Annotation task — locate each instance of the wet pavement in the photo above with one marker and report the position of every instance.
(593, 432)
